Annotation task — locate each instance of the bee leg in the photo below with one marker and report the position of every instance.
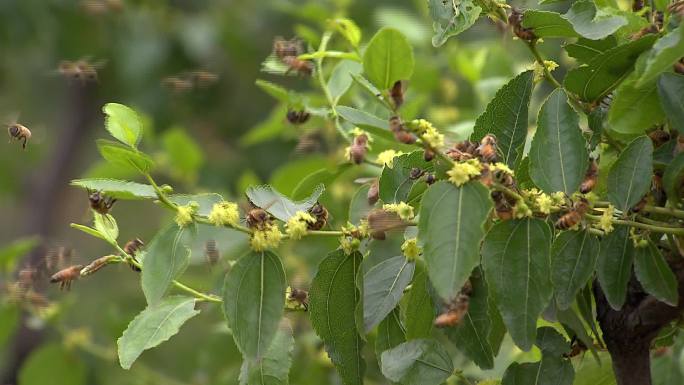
(306, 306)
(24, 145)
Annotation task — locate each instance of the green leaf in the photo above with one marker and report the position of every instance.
(348, 29)
(279, 205)
(253, 301)
(671, 92)
(390, 333)
(516, 260)
(635, 108)
(53, 364)
(290, 98)
(361, 118)
(359, 207)
(123, 123)
(119, 189)
(573, 258)
(592, 23)
(166, 258)
(582, 19)
(605, 71)
(106, 225)
(451, 18)
(420, 310)
(205, 201)
(451, 242)
(630, 177)
(154, 325)
(585, 49)
(268, 129)
(506, 117)
(334, 296)
(417, 362)
(655, 275)
(12, 252)
(88, 230)
(470, 335)
(324, 176)
(185, 157)
(614, 267)
(548, 371)
(672, 179)
(395, 182)
(558, 155)
(340, 79)
(388, 58)
(384, 286)
(665, 52)
(123, 156)
(274, 366)
(9, 320)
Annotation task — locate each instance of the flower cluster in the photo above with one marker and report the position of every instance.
(184, 214)
(297, 225)
(402, 209)
(428, 133)
(268, 238)
(411, 249)
(387, 157)
(464, 171)
(606, 222)
(224, 214)
(503, 167)
(522, 210)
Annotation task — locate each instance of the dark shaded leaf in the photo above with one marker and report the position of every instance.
(614, 267)
(384, 286)
(630, 177)
(417, 362)
(655, 275)
(573, 258)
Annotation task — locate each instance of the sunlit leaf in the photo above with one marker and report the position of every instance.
(119, 189)
(384, 286)
(154, 325)
(665, 52)
(253, 300)
(635, 108)
(348, 29)
(582, 19)
(451, 18)
(279, 205)
(121, 155)
(106, 225)
(184, 155)
(417, 362)
(451, 230)
(388, 58)
(123, 123)
(340, 79)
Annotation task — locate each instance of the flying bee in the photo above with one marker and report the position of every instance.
(177, 84)
(574, 216)
(26, 277)
(358, 149)
(297, 116)
(287, 48)
(487, 151)
(66, 276)
(211, 252)
(58, 258)
(99, 202)
(82, 70)
(202, 78)
(396, 93)
(456, 309)
(320, 213)
(300, 297)
(302, 67)
(19, 132)
(590, 178)
(381, 221)
(374, 192)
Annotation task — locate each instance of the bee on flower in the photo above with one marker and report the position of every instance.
(402, 209)
(298, 224)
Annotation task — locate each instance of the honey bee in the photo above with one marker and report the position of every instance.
(358, 149)
(487, 151)
(99, 202)
(676, 8)
(400, 132)
(574, 216)
(456, 309)
(639, 206)
(26, 277)
(299, 296)
(101, 7)
(503, 208)
(381, 221)
(590, 178)
(428, 155)
(287, 48)
(319, 212)
(659, 137)
(678, 67)
(94, 266)
(297, 117)
(430, 178)
(131, 248)
(577, 347)
(637, 5)
(416, 173)
(19, 132)
(258, 218)
(515, 20)
(58, 258)
(177, 84)
(649, 29)
(211, 252)
(66, 276)
(374, 192)
(302, 67)
(397, 93)
(462, 151)
(81, 69)
(202, 78)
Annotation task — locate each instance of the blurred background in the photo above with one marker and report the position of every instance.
(221, 135)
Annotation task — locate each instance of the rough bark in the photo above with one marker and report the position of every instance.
(628, 332)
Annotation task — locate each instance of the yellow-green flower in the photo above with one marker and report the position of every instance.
(462, 172)
(411, 249)
(558, 198)
(498, 166)
(402, 209)
(184, 214)
(268, 238)
(349, 244)
(433, 137)
(420, 126)
(387, 157)
(521, 210)
(606, 222)
(296, 226)
(224, 214)
(544, 203)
